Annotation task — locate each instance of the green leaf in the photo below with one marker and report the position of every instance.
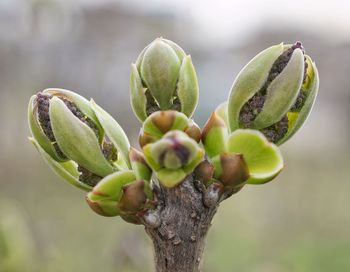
(67, 170)
(38, 133)
(282, 92)
(114, 131)
(263, 158)
(77, 140)
(297, 119)
(187, 87)
(249, 81)
(82, 104)
(137, 94)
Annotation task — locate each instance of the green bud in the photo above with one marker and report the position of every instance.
(69, 133)
(139, 165)
(173, 157)
(274, 92)
(159, 123)
(163, 78)
(120, 194)
(231, 170)
(263, 158)
(214, 135)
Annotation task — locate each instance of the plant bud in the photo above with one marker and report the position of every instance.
(139, 165)
(204, 172)
(255, 153)
(173, 157)
(163, 78)
(214, 135)
(231, 170)
(69, 133)
(161, 122)
(119, 194)
(274, 92)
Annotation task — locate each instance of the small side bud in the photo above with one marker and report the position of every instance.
(133, 198)
(204, 172)
(231, 170)
(139, 165)
(214, 135)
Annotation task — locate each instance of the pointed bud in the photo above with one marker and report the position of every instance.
(193, 131)
(273, 85)
(214, 135)
(163, 78)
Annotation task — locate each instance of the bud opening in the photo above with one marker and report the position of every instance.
(255, 104)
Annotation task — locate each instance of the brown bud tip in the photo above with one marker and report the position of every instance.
(133, 198)
(95, 207)
(214, 121)
(164, 120)
(234, 170)
(204, 172)
(194, 132)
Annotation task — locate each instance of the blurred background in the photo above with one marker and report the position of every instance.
(299, 222)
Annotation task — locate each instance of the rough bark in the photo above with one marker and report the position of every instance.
(179, 226)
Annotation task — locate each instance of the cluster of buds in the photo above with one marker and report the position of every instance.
(170, 144)
(274, 93)
(163, 78)
(83, 144)
(269, 101)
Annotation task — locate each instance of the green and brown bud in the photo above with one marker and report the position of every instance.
(78, 139)
(159, 123)
(163, 78)
(120, 194)
(274, 92)
(139, 165)
(214, 135)
(231, 170)
(204, 172)
(173, 157)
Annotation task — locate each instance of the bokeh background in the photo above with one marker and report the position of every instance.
(299, 222)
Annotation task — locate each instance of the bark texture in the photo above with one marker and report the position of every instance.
(183, 221)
